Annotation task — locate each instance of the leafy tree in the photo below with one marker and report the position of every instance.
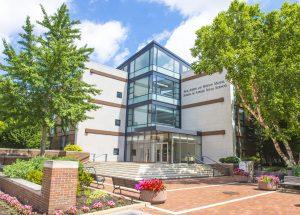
(261, 54)
(42, 81)
(17, 135)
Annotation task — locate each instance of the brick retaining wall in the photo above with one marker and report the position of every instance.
(28, 153)
(58, 190)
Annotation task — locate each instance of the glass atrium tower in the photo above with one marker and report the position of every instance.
(153, 127)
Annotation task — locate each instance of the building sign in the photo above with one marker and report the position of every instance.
(204, 88)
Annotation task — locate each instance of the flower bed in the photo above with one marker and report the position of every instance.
(94, 200)
(11, 205)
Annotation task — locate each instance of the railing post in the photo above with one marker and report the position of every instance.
(94, 157)
(105, 157)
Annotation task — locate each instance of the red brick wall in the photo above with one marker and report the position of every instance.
(24, 194)
(82, 156)
(59, 188)
(58, 191)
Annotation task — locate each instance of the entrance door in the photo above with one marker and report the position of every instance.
(164, 151)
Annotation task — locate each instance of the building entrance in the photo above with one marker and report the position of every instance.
(151, 147)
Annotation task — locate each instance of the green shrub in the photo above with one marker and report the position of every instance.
(94, 195)
(72, 147)
(21, 168)
(275, 169)
(254, 158)
(35, 176)
(231, 159)
(84, 178)
(34, 167)
(296, 170)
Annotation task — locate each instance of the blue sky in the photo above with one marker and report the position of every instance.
(116, 29)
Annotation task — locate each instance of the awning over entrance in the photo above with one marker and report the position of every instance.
(161, 128)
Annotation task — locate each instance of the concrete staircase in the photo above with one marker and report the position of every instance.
(138, 171)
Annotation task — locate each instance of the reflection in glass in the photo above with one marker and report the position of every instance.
(163, 147)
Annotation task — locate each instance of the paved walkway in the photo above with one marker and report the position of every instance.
(220, 196)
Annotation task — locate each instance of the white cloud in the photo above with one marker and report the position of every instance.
(157, 37)
(13, 13)
(121, 57)
(105, 38)
(194, 7)
(197, 13)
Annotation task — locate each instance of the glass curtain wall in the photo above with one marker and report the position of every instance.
(150, 115)
(157, 60)
(154, 87)
(153, 146)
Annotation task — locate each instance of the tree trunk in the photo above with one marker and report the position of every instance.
(289, 161)
(239, 133)
(43, 142)
(256, 113)
(289, 152)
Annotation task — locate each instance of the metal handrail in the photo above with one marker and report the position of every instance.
(215, 162)
(199, 159)
(97, 156)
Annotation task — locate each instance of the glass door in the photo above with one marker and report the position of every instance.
(164, 153)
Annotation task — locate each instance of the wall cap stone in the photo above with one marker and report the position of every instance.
(55, 164)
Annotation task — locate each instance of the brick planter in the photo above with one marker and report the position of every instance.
(58, 190)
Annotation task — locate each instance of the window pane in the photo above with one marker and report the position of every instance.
(132, 67)
(184, 68)
(176, 66)
(164, 87)
(140, 115)
(164, 61)
(141, 87)
(142, 61)
(164, 115)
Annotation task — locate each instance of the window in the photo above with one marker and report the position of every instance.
(167, 116)
(185, 68)
(164, 61)
(140, 65)
(164, 87)
(139, 90)
(117, 122)
(164, 115)
(166, 64)
(119, 95)
(141, 87)
(142, 61)
(166, 90)
(116, 151)
(140, 115)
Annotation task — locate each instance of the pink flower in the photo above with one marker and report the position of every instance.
(72, 210)
(111, 203)
(97, 205)
(85, 209)
(58, 212)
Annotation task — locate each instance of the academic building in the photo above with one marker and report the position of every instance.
(153, 108)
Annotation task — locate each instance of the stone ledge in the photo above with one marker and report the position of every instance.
(56, 164)
(26, 183)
